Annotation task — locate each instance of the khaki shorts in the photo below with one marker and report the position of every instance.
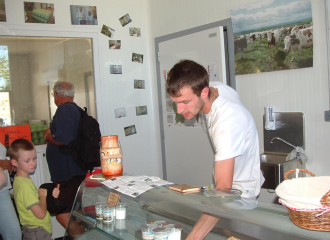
(38, 233)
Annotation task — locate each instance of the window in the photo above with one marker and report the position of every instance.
(4, 87)
(29, 67)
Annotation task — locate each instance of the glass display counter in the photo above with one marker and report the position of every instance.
(241, 218)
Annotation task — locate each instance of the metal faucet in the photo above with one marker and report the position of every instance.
(277, 138)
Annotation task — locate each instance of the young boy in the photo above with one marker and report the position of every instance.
(31, 204)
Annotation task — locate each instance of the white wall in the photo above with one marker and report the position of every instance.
(141, 151)
(303, 90)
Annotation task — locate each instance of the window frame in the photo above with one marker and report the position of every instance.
(61, 32)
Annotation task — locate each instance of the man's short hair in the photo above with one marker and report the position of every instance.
(64, 89)
(186, 73)
(19, 144)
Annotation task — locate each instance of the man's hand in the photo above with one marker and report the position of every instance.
(6, 165)
(42, 192)
(56, 191)
(47, 131)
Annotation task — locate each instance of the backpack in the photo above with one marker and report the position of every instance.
(85, 148)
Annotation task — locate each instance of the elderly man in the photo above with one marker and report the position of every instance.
(63, 168)
(231, 128)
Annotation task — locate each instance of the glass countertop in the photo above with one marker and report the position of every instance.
(247, 218)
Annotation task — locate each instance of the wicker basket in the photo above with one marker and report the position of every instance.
(312, 219)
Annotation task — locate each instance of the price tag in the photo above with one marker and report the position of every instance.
(113, 198)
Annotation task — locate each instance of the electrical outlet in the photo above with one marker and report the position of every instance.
(327, 116)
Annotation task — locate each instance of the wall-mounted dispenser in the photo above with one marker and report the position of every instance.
(269, 118)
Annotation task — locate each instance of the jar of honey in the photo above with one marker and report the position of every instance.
(111, 156)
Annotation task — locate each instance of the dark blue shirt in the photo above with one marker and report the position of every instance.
(64, 128)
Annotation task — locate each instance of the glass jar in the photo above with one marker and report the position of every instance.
(108, 214)
(121, 211)
(111, 156)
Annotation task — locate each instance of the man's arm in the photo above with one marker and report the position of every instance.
(49, 137)
(40, 210)
(223, 173)
(6, 165)
(223, 177)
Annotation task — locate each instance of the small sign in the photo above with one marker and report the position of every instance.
(13, 133)
(113, 198)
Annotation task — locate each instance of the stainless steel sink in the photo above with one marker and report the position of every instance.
(272, 158)
(274, 166)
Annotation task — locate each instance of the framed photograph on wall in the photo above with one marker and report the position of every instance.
(120, 112)
(141, 110)
(83, 15)
(124, 20)
(130, 130)
(2, 11)
(36, 12)
(138, 58)
(109, 32)
(114, 44)
(116, 69)
(139, 84)
(135, 32)
(282, 39)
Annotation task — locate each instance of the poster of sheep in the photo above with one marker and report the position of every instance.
(273, 35)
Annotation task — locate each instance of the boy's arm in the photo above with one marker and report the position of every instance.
(56, 191)
(40, 210)
(3, 177)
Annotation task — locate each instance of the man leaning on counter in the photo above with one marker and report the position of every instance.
(231, 128)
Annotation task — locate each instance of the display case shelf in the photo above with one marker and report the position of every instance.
(241, 218)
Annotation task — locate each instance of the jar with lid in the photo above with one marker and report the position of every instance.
(111, 155)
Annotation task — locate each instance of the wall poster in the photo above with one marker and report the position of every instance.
(273, 35)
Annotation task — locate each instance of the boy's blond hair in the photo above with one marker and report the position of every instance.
(19, 144)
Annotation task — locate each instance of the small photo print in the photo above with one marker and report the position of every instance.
(114, 44)
(36, 12)
(2, 11)
(116, 69)
(109, 32)
(170, 119)
(135, 32)
(169, 107)
(124, 20)
(130, 130)
(139, 84)
(137, 58)
(120, 112)
(141, 110)
(83, 15)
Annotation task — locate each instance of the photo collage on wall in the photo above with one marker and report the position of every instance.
(44, 13)
(115, 44)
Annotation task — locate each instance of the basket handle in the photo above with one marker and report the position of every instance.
(325, 199)
(300, 170)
